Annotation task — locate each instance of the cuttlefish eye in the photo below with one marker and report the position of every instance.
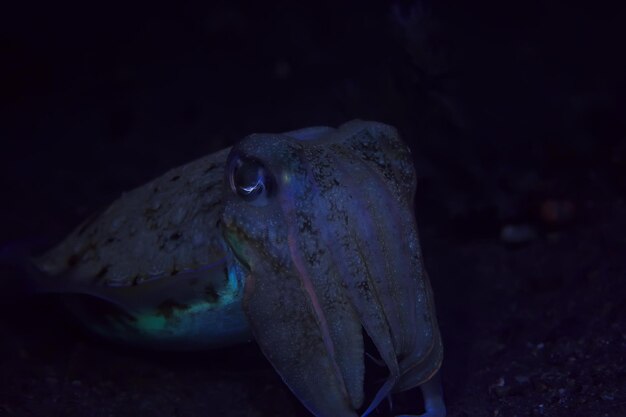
(250, 180)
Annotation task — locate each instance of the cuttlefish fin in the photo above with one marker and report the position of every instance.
(134, 298)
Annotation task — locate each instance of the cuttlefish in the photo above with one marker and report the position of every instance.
(305, 241)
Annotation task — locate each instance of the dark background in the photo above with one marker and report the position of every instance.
(515, 115)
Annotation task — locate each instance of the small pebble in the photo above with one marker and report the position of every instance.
(607, 396)
(522, 379)
(517, 233)
(557, 212)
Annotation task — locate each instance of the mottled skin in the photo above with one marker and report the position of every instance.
(310, 233)
(331, 247)
(158, 229)
(157, 254)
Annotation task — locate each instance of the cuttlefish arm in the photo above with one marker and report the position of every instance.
(324, 227)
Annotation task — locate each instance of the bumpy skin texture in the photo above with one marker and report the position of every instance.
(331, 247)
(161, 228)
(321, 248)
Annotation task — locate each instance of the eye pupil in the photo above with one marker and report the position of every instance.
(249, 179)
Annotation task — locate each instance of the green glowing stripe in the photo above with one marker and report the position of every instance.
(151, 323)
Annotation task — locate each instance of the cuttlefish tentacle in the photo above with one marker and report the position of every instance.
(425, 365)
(432, 392)
(391, 233)
(353, 246)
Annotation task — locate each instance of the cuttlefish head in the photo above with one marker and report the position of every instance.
(321, 222)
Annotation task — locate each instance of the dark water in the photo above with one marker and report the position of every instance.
(515, 115)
